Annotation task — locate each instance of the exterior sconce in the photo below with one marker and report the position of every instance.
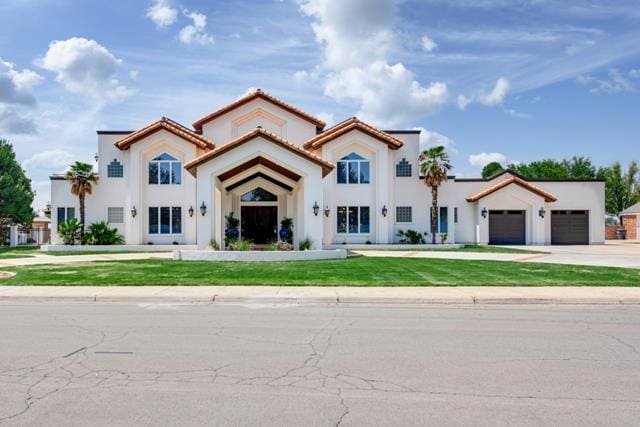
(484, 212)
(542, 212)
(48, 206)
(327, 211)
(316, 208)
(96, 157)
(134, 211)
(190, 211)
(203, 208)
(385, 211)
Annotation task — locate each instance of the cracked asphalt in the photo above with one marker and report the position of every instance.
(260, 364)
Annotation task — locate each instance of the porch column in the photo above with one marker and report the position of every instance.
(312, 194)
(204, 193)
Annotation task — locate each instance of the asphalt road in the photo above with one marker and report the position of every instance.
(113, 364)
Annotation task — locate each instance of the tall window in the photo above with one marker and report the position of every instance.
(353, 169)
(353, 220)
(442, 219)
(115, 169)
(403, 168)
(65, 214)
(165, 169)
(165, 220)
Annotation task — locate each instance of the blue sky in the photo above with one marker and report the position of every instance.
(513, 80)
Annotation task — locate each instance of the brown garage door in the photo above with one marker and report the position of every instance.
(569, 227)
(506, 228)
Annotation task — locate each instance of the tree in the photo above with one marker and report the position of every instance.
(434, 167)
(16, 195)
(580, 168)
(82, 178)
(542, 169)
(492, 169)
(621, 189)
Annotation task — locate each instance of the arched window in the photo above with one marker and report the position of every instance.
(353, 169)
(165, 169)
(259, 194)
(115, 169)
(403, 168)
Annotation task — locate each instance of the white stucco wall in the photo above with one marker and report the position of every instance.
(259, 112)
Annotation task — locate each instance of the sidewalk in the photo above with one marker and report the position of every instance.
(323, 295)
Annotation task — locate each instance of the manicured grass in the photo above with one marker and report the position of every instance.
(468, 248)
(360, 271)
(20, 252)
(69, 253)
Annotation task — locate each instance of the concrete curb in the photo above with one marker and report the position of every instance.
(300, 295)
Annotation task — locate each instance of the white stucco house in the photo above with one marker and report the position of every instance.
(264, 159)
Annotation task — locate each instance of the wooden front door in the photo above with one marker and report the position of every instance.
(259, 223)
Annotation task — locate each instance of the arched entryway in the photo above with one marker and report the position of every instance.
(259, 216)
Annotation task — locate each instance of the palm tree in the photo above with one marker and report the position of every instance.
(82, 177)
(434, 167)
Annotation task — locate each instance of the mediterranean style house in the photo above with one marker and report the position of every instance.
(264, 159)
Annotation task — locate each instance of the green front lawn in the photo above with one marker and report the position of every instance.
(19, 252)
(467, 248)
(360, 271)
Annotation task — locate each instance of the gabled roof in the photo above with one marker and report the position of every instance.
(258, 94)
(548, 197)
(633, 209)
(259, 132)
(347, 126)
(170, 126)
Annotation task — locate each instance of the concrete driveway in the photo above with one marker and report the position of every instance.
(613, 253)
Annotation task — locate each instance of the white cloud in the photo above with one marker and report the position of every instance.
(326, 117)
(16, 86)
(134, 74)
(518, 114)
(497, 95)
(480, 160)
(615, 83)
(85, 67)
(162, 14)
(430, 139)
(195, 33)
(428, 44)
(14, 123)
(55, 161)
(576, 48)
(357, 37)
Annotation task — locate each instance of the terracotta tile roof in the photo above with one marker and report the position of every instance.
(326, 166)
(170, 126)
(548, 197)
(255, 95)
(348, 125)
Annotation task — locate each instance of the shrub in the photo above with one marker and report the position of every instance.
(70, 231)
(368, 242)
(444, 237)
(410, 237)
(284, 246)
(99, 233)
(241, 245)
(305, 245)
(270, 247)
(231, 232)
(214, 245)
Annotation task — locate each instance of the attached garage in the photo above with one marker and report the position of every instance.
(570, 227)
(507, 227)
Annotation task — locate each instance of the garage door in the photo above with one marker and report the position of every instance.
(506, 228)
(569, 227)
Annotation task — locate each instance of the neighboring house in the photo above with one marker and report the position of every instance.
(631, 221)
(264, 159)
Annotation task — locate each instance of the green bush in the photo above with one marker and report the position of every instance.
(99, 233)
(284, 246)
(287, 225)
(241, 245)
(70, 231)
(410, 237)
(305, 245)
(214, 245)
(270, 247)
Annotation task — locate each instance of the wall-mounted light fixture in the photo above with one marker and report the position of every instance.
(48, 206)
(96, 157)
(191, 211)
(542, 212)
(327, 211)
(134, 211)
(203, 209)
(316, 208)
(484, 212)
(384, 211)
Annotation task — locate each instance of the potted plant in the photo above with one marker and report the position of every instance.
(443, 237)
(232, 231)
(286, 230)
